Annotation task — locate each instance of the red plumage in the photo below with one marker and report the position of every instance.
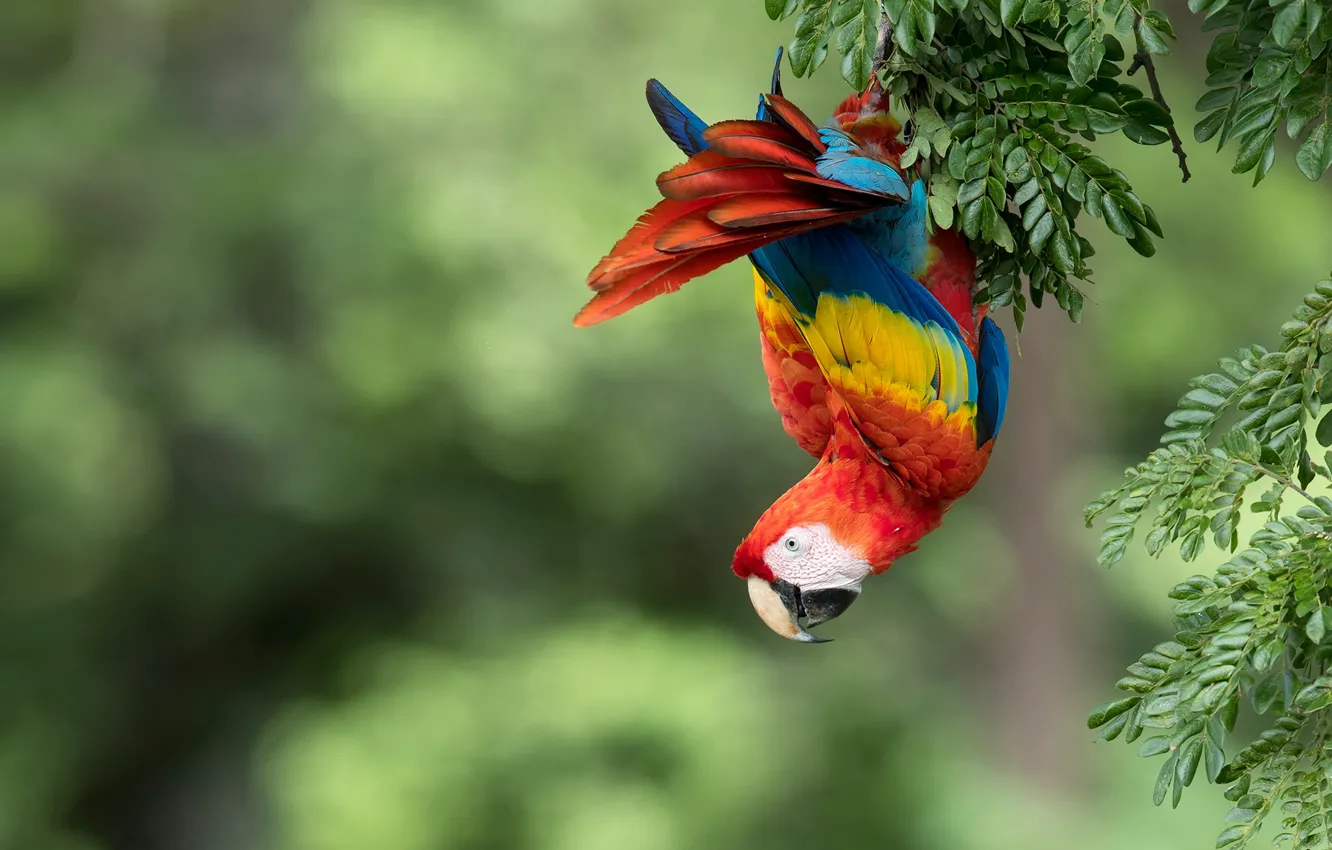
(762, 210)
(639, 242)
(710, 174)
(789, 115)
(764, 141)
(757, 182)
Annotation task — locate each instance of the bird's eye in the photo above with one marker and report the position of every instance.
(908, 132)
(792, 544)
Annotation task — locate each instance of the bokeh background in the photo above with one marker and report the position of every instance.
(323, 529)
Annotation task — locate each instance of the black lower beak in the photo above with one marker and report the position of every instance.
(820, 606)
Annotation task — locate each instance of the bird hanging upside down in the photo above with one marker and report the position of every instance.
(876, 359)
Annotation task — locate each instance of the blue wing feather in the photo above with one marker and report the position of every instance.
(898, 231)
(846, 163)
(835, 259)
(993, 395)
(680, 123)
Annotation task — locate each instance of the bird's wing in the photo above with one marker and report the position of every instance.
(756, 182)
(894, 355)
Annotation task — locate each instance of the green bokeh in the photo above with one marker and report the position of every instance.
(324, 529)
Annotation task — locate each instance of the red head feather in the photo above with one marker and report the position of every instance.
(867, 510)
(866, 117)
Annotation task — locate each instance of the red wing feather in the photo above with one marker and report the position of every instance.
(708, 174)
(743, 211)
(763, 141)
(674, 272)
(875, 198)
(637, 244)
(695, 233)
(756, 184)
(790, 116)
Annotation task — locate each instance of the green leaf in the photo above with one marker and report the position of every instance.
(1267, 654)
(1010, 12)
(801, 52)
(1040, 232)
(1106, 712)
(1085, 51)
(1152, 38)
(1148, 111)
(1315, 628)
(1324, 432)
(1061, 251)
(1115, 218)
(1187, 762)
(1287, 21)
(1215, 758)
(1205, 129)
(1163, 780)
(1267, 694)
(942, 209)
(1252, 150)
(1315, 154)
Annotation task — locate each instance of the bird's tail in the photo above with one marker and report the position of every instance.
(750, 184)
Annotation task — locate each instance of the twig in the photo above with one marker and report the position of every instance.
(1284, 481)
(884, 44)
(1143, 59)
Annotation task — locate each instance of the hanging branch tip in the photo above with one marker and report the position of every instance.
(1143, 59)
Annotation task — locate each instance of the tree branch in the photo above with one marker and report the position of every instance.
(1284, 481)
(884, 44)
(1143, 59)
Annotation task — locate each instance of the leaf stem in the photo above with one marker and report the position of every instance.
(1284, 482)
(1143, 59)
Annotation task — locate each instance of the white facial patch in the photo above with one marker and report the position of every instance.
(809, 557)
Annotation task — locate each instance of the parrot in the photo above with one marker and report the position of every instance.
(877, 361)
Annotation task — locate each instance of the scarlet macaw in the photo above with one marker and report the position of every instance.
(876, 359)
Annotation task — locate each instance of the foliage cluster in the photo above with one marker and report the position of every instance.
(1257, 632)
(1005, 94)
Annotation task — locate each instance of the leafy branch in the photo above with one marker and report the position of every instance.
(1258, 630)
(1005, 92)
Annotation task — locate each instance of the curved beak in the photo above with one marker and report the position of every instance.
(781, 606)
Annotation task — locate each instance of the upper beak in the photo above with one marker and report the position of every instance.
(781, 606)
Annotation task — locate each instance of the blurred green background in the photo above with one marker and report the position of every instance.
(323, 528)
